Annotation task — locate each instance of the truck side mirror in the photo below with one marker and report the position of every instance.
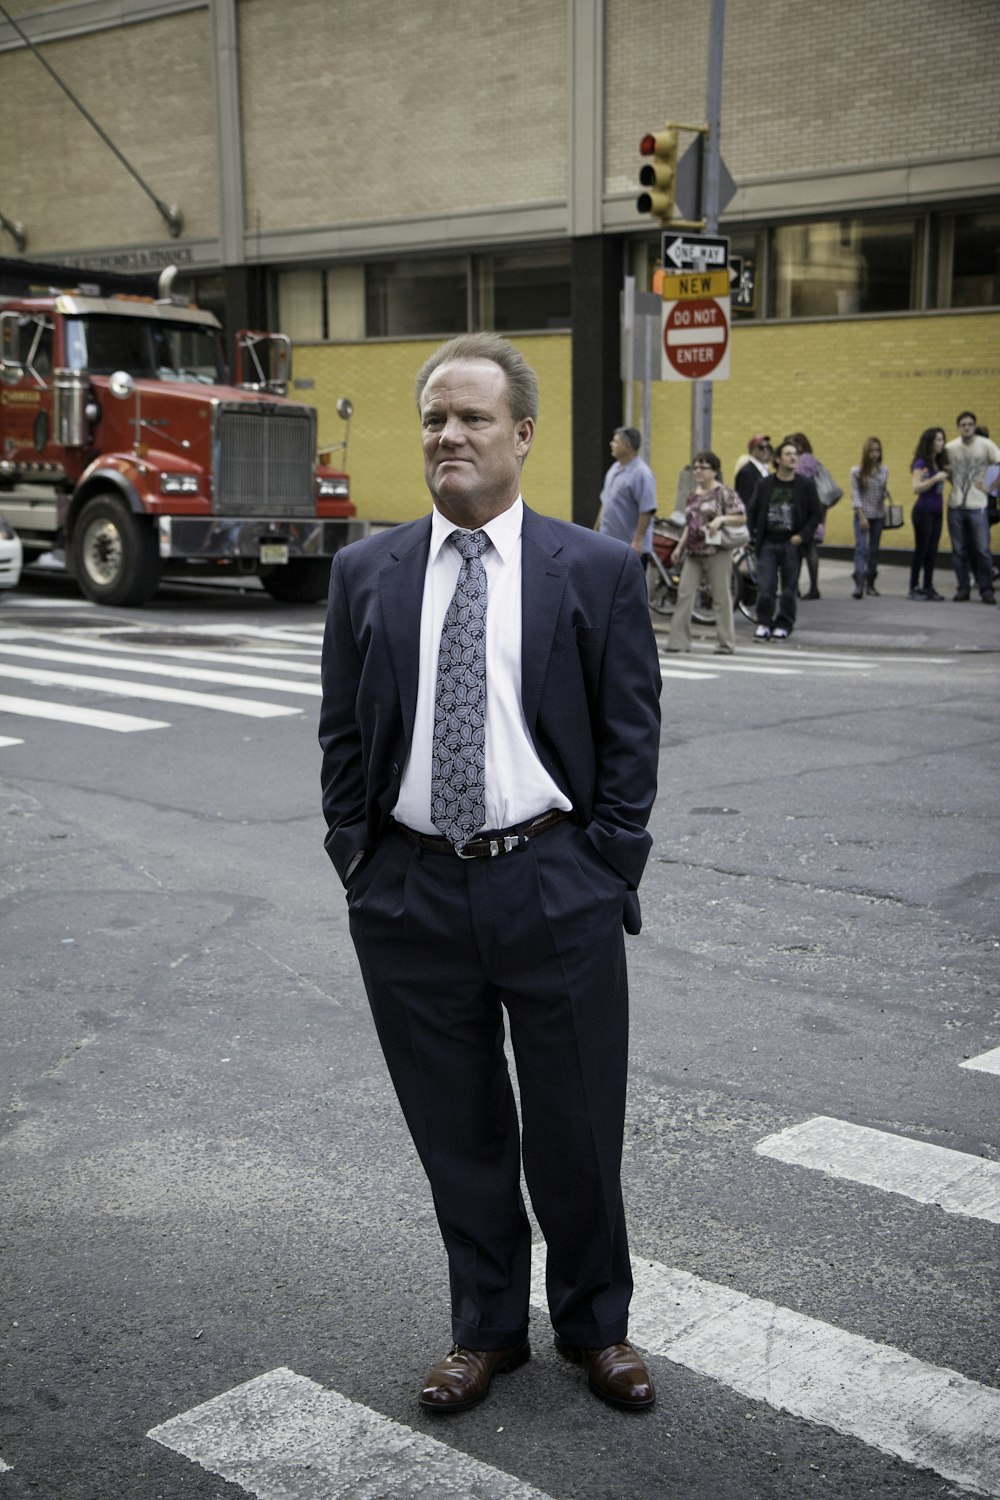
(121, 384)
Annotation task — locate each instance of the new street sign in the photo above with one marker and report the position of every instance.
(696, 324)
(694, 252)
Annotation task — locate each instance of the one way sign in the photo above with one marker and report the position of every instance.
(694, 252)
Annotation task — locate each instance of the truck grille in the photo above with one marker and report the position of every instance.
(264, 460)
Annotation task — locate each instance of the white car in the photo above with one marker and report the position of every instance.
(11, 556)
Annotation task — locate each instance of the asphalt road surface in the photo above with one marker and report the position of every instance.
(221, 1274)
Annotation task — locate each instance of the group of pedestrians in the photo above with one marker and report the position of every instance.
(778, 503)
(971, 462)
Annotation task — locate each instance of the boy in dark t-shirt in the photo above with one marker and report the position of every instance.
(783, 516)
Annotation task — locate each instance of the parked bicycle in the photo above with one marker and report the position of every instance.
(661, 576)
(744, 583)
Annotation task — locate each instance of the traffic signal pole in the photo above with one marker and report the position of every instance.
(701, 390)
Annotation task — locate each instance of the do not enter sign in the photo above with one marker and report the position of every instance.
(696, 339)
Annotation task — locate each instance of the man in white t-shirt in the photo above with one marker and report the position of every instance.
(968, 458)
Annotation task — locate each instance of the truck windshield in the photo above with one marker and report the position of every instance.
(153, 350)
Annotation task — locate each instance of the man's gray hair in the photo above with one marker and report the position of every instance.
(522, 382)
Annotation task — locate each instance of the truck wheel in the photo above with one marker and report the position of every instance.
(114, 553)
(304, 580)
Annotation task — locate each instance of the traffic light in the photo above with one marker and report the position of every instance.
(659, 176)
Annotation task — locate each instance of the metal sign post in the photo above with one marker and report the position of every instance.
(701, 391)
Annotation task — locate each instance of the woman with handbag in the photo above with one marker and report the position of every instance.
(715, 522)
(829, 493)
(928, 472)
(869, 492)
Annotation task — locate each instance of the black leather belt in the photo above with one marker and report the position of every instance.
(485, 845)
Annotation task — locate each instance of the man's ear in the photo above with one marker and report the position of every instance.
(524, 434)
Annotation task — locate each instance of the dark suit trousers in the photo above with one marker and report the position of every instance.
(445, 946)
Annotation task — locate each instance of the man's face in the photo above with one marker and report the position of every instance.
(473, 448)
(621, 448)
(787, 458)
(967, 427)
(762, 452)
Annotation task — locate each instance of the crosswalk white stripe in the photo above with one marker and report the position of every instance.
(160, 669)
(668, 672)
(701, 665)
(246, 706)
(5, 740)
(92, 718)
(86, 641)
(953, 1180)
(925, 1414)
(283, 1437)
(986, 1062)
(263, 632)
(25, 601)
(4, 1468)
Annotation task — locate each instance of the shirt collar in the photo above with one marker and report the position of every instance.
(503, 531)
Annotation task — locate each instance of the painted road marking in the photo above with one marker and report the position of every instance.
(246, 706)
(5, 740)
(86, 640)
(986, 1062)
(925, 1414)
(25, 601)
(135, 663)
(953, 1180)
(283, 1437)
(92, 718)
(285, 634)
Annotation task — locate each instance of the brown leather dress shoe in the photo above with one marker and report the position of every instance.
(618, 1374)
(463, 1377)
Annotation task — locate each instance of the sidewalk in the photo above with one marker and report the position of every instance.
(889, 623)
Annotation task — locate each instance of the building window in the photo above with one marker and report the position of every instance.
(975, 263)
(410, 298)
(524, 289)
(842, 267)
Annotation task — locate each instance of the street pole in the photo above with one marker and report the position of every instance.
(701, 390)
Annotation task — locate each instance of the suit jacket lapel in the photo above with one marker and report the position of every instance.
(543, 579)
(401, 586)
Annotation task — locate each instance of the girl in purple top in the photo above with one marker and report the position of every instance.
(928, 473)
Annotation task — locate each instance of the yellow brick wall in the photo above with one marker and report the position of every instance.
(384, 457)
(839, 382)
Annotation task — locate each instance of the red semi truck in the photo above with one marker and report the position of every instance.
(122, 443)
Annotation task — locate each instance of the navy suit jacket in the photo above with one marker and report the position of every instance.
(590, 684)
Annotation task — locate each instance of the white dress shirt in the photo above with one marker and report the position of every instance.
(517, 785)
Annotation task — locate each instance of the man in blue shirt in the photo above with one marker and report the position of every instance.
(628, 499)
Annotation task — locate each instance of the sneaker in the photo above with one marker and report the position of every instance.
(934, 595)
(918, 594)
(812, 594)
(723, 651)
(990, 598)
(871, 589)
(762, 633)
(780, 633)
(960, 597)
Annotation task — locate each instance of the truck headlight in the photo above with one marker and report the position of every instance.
(179, 484)
(332, 489)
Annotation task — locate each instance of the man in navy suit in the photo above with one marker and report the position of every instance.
(529, 641)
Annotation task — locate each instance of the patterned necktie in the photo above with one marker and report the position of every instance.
(458, 768)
